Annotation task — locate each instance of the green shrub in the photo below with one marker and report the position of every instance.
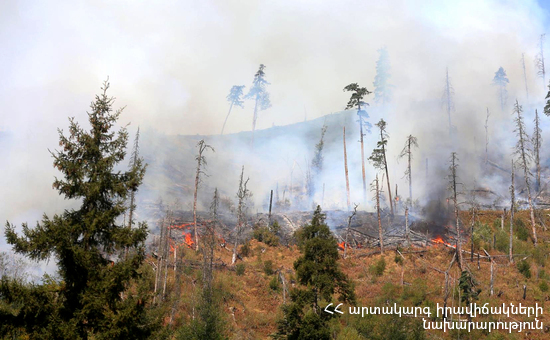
(240, 268)
(246, 249)
(274, 283)
(267, 236)
(398, 259)
(524, 268)
(268, 267)
(539, 254)
(543, 286)
(520, 230)
(502, 240)
(416, 293)
(378, 268)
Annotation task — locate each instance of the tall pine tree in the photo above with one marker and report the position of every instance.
(92, 298)
(319, 277)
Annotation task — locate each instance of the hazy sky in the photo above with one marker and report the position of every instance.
(171, 63)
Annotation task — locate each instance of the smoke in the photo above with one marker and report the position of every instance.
(172, 64)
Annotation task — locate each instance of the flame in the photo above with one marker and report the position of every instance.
(440, 240)
(189, 240)
(342, 245)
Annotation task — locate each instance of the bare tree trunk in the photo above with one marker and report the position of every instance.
(363, 163)
(195, 206)
(160, 255)
(407, 225)
(472, 234)
(242, 194)
(410, 174)
(487, 137)
(228, 113)
(525, 166)
(536, 150)
(166, 244)
(512, 210)
(387, 175)
(348, 229)
(346, 170)
(524, 74)
(380, 233)
(254, 120)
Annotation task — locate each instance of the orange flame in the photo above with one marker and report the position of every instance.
(189, 240)
(441, 241)
(342, 245)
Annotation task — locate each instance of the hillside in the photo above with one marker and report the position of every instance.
(252, 293)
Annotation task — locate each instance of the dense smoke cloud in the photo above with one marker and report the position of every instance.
(172, 64)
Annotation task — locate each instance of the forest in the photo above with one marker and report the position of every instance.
(271, 200)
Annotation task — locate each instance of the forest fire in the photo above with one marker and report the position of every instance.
(342, 245)
(440, 240)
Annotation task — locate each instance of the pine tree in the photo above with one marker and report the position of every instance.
(259, 94)
(378, 157)
(382, 86)
(92, 299)
(234, 98)
(356, 100)
(319, 277)
(523, 152)
(500, 80)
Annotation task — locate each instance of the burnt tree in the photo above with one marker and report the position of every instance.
(410, 143)
(201, 162)
(523, 152)
(453, 186)
(242, 194)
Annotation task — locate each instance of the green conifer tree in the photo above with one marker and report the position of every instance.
(319, 277)
(98, 295)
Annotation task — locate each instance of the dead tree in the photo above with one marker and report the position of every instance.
(242, 194)
(524, 75)
(448, 99)
(136, 163)
(407, 235)
(350, 218)
(313, 172)
(160, 258)
(407, 152)
(453, 186)
(487, 137)
(523, 152)
(537, 142)
(210, 242)
(474, 207)
(512, 210)
(201, 161)
(491, 291)
(378, 157)
(234, 98)
(356, 100)
(376, 188)
(346, 170)
(539, 61)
